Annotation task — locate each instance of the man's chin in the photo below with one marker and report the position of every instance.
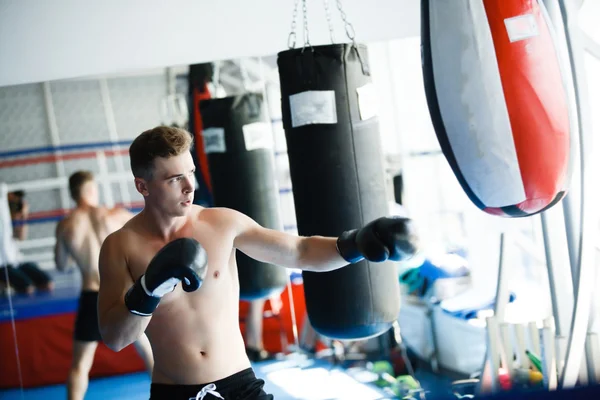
(184, 210)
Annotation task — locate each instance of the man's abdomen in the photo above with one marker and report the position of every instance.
(90, 279)
(196, 345)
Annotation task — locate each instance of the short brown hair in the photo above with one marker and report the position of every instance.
(76, 181)
(162, 141)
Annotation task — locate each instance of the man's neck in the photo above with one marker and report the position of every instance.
(159, 224)
(85, 206)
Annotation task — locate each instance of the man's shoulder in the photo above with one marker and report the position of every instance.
(76, 218)
(221, 219)
(77, 214)
(66, 223)
(216, 215)
(117, 210)
(121, 237)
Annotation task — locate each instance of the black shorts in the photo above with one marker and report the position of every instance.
(243, 385)
(86, 323)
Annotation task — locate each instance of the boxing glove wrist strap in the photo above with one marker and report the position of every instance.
(346, 247)
(138, 301)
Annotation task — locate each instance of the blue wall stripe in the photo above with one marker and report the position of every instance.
(77, 146)
(55, 218)
(135, 210)
(66, 147)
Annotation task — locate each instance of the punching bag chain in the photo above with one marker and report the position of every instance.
(292, 36)
(328, 16)
(347, 25)
(305, 12)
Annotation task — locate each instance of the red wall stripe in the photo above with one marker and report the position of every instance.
(60, 212)
(60, 157)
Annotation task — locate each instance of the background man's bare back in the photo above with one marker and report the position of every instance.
(83, 233)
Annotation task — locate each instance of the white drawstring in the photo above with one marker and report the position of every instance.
(208, 389)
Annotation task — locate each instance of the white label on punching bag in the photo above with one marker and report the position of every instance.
(367, 101)
(258, 135)
(521, 27)
(313, 107)
(214, 140)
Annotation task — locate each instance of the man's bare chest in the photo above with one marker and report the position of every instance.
(219, 252)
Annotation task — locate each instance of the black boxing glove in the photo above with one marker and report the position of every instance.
(386, 238)
(182, 260)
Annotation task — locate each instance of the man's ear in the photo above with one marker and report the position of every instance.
(141, 186)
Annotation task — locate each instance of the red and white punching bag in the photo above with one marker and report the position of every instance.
(497, 96)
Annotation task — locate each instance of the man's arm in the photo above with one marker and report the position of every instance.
(118, 326)
(61, 254)
(314, 253)
(124, 306)
(379, 240)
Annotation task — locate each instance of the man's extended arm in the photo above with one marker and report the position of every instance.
(379, 240)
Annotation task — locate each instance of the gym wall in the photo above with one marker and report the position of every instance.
(50, 130)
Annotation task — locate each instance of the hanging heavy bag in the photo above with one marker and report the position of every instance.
(238, 142)
(337, 174)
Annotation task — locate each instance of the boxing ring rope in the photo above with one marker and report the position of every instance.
(36, 243)
(62, 182)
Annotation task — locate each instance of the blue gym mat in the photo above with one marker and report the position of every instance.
(286, 380)
(61, 300)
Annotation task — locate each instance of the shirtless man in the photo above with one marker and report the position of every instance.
(79, 236)
(171, 272)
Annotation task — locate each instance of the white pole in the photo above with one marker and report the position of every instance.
(55, 140)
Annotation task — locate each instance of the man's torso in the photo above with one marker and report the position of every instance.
(84, 231)
(195, 336)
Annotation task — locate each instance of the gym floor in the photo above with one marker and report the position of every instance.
(285, 379)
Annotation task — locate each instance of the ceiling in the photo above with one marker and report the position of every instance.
(49, 40)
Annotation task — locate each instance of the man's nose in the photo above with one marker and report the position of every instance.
(188, 186)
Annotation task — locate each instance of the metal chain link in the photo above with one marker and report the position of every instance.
(328, 16)
(305, 12)
(292, 35)
(347, 25)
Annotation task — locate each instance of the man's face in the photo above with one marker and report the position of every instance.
(90, 189)
(171, 188)
(88, 193)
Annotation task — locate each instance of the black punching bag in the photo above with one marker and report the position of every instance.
(237, 139)
(337, 174)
